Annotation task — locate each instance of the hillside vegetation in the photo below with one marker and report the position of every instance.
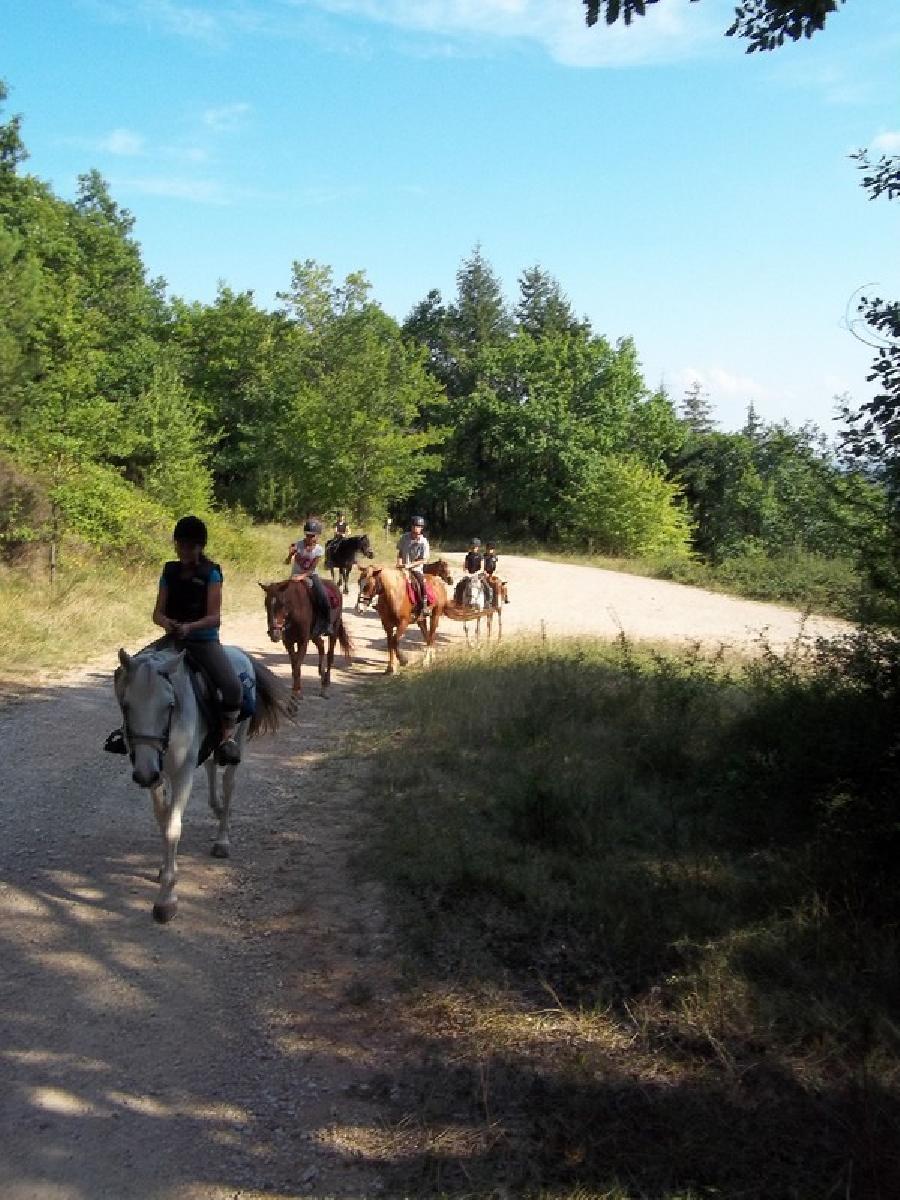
(122, 407)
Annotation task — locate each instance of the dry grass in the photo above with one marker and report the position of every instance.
(651, 947)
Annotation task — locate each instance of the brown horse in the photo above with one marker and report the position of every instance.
(290, 616)
(388, 585)
(439, 568)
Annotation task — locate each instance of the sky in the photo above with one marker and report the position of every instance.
(684, 193)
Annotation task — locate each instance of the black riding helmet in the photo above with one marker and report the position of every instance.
(312, 526)
(191, 530)
(475, 542)
(417, 521)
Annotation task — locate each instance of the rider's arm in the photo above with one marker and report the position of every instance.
(291, 552)
(159, 611)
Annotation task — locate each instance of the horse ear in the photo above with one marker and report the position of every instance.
(124, 659)
(263, 586)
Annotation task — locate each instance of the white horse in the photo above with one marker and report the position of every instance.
(478, 593)
(164, 730)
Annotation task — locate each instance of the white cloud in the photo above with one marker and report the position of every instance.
(122, 141)
(724, 384)
(197, 191)
(673, 31)
(226, 117)
(887, 142)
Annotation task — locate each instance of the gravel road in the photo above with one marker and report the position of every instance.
(242, 1051)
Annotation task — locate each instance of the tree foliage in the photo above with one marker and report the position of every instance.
(764, 24)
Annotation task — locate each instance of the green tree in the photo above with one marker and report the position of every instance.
(696, 410)
(543, 307)
(623, 507)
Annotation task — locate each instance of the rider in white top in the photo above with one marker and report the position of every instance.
(412, 552)
(305, 557)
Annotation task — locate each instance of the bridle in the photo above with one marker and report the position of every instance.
(158, 741)
(276, 628)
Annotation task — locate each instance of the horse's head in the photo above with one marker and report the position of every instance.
(146, 694)
(442, 570)
(369, 581)
(276, 608)
(365, 546)
(503, 591)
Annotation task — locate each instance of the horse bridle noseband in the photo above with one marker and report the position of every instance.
(159, 741)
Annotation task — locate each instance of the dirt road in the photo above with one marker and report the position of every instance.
(244, 1050)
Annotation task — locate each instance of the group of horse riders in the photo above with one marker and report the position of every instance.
(189, 604)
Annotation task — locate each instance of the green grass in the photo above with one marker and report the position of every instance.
(100, 603)
(649, 912)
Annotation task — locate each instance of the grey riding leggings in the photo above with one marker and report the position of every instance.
(215, 662)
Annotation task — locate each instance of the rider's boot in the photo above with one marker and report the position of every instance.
(229, 752)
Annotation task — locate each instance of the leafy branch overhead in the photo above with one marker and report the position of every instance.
(765, 24)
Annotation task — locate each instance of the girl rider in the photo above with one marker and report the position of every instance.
(189, 609)
(304, 557)
(472, 566)
(412, 553)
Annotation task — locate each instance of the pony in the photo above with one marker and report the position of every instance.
(166, 731)
(394, 607)
(486, 594)
(341, 554)
(440, 568)
(290, 617)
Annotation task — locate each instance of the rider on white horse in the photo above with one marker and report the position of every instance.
(189, 608)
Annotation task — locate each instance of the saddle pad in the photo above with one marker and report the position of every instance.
(413, 595)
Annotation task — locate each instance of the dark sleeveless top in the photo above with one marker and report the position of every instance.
(187, 596)
(490, 563)
(473, 562)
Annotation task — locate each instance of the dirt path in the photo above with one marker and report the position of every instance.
(246, 1049)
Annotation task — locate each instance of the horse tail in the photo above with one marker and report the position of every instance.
(346, 641)
(271, 700)
(463, 612)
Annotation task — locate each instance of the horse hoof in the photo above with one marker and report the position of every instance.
(163, 913)
(221, 850)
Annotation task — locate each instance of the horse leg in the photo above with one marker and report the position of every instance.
(401, 628)
(169, 817)
(211, 776)
(323, 669)
(326, 678)
(296, 653)
(345, 580)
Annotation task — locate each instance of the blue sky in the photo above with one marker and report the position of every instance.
(696, 198)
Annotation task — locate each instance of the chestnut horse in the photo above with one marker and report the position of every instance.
(440, 568)
(290, 616)
(393, 605)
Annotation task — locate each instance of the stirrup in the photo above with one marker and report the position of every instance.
(115, 743)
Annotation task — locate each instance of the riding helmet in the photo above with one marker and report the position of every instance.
(475, 542)
(418, 521)
(312, 526)
(191, 530)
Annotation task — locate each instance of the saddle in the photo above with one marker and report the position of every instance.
(210, 705)
(412, 593)
(323, 626)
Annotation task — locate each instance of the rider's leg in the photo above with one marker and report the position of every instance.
(214, 660)
(418, 575)
(321, 605)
